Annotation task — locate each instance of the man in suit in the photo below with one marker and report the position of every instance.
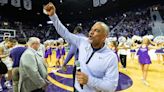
(33, 72)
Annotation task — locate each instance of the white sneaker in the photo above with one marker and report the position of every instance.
(145, 83)
(1, 89)
(8, 85)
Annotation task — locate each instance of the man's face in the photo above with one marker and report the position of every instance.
(97, 34)
(36, 45)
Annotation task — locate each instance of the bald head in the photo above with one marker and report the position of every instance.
(34, 42)
(105, 27)
(98, 34)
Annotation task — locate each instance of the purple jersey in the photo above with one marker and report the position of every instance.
(15, 55)
(144, 57)
(63, 51)
(50, 51)
(46, 54)
(160, 51)
(132, 50)
(60, 52)
(58, 55)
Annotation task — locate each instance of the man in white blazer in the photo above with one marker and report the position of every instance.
(33, 72)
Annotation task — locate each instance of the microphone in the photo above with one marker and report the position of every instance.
(77, 63)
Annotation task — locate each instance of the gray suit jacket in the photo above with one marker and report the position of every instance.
(33, 72)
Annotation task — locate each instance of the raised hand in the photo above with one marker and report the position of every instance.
(49, 9)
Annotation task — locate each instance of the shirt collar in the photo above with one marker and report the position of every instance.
(33, 50)
(100, 49)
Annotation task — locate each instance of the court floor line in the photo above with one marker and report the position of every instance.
(70, 76)
(60, 84)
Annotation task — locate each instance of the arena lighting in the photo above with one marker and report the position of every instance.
(49, 22)
(40, 25)
(80, 24)
(5, 23)
(67, 24)
(124, 15)
(38, 13)
(156, 8)
(61, 1)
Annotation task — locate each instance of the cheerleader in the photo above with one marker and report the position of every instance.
(53, 45)
(123, 51)
(60, 52)
(144, 58)
(47, 51)
(159, 52)
(162, 53)
(132, 51)
(113, 46)
(52, 49)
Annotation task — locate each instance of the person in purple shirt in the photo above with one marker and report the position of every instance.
(15, 55)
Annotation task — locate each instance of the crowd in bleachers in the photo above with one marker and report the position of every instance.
(134, 23)
(161, 11)
(127, 24)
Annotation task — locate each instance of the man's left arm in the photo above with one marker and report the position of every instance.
(110, 81)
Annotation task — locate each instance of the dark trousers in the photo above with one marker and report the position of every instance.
(38, 90)
(74, 73)
(123, 60)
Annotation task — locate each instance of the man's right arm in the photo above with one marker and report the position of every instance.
(50, 10)
(63, 31)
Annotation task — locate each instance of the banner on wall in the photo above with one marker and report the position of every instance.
(3, 2)
(16, 3)
(97, 3)
(27, 4)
